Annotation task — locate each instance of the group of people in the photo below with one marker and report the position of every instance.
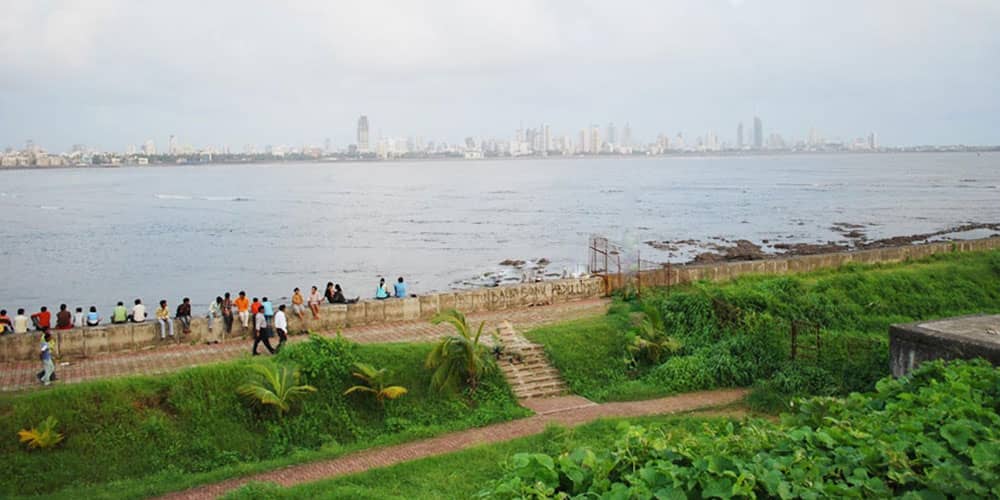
(258, 316)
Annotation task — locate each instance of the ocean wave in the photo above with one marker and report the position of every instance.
(49, 207)
(184, 197)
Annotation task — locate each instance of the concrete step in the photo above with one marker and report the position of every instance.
(532, 378)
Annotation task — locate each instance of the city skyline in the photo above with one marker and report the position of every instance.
(110, 72)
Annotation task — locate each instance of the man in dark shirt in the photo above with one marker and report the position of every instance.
(64, 318)
(184, 315)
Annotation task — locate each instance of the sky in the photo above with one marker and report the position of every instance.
(109, 73)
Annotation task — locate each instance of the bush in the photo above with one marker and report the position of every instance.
(933, 435)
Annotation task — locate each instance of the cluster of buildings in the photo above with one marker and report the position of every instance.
(525, 142)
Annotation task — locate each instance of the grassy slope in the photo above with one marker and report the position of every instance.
(131, 437)
(461, 474)
(724, 327)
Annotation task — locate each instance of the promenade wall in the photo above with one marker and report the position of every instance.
(86, 342)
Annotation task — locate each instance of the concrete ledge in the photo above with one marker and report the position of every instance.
(963, 337)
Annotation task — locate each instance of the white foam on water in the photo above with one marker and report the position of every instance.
(173, 197)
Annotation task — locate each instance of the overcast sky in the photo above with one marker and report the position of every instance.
(108, 73)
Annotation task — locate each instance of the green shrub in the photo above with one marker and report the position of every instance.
(933, 435)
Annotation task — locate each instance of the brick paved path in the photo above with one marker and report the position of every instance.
(576, 411)
(21, 375)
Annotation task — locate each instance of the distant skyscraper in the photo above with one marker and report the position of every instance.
(149, 147)
(363, 134)
(172, 145)
(758, 133)
(627, 136)
(739, 136)
(327, 145)
(595, 139)
(612, 135)
(547, 137)
(872, 141)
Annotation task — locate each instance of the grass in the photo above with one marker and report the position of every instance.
(737, 333)
(137, 436)
(463, 474)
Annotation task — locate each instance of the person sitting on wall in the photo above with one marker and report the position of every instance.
(42, 320)
(138, 312)
(6, 325)
(78, 320)
(119, 315)
(64, 318)
(339, 298)
(93, 319)
(400, 288)
(21, 321)
(314, 299)
(298, 304)
(381, 293)
(329, 292)
(183, 314)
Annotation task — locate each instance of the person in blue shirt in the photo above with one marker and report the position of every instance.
(381, 292)
(400, 288)
(268, 309)
(48, 367)
(93, 319)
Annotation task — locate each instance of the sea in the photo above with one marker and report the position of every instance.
(94, 236)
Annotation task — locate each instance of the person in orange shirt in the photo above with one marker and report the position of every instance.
(243, 308)
(255, 306)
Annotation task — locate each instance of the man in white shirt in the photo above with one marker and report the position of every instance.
(138, 312)
(281, 325)
(21, 322)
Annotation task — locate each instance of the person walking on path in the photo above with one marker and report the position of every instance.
(184, 315)
(281, 326)
(163, 317)
(314, 300)
(400, 288)
(93, 319)
(21, 321)
(268, 309)
(243, 309)
(298, 304)
(214, 312)
(48, 367)
(138, 312)
(119, 315)
(42, 319)
(227, 314)
(262, 334)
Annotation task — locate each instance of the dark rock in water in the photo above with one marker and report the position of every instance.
(512, 262)
(809, 248)
(743, 250)
(543, 261)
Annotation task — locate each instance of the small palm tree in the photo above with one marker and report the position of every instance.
(649, 337)
(276, 386)
(44, 436)
(377, 383)
(458, 358)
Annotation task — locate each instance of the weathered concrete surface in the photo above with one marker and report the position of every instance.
(964, 337)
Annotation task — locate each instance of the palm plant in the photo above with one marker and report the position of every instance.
(44, 436)
(458, 358)
(648, 339)
(376, 383)
(276, 386)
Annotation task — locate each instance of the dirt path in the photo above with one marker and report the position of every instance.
(568, 411)
(21, 375)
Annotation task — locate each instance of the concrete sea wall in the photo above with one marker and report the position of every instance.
(77, 343)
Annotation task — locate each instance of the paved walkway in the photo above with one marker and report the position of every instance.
(21, 375)
(574, 411)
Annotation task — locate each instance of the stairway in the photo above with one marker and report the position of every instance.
(526, 367)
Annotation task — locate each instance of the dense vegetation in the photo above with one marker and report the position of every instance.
(738, 333)
(933, 435)
(153, 434)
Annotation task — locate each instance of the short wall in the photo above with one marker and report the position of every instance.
(78, 343)
(963, 337)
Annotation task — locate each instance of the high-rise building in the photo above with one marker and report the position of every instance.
(872, 141)
(739, 136)
(583, 143)
(595, 139)
(627, 136)
(363, 134)
(149, 147)
(546, 138)
(758, 133)
(172, 147)
(612, 135)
